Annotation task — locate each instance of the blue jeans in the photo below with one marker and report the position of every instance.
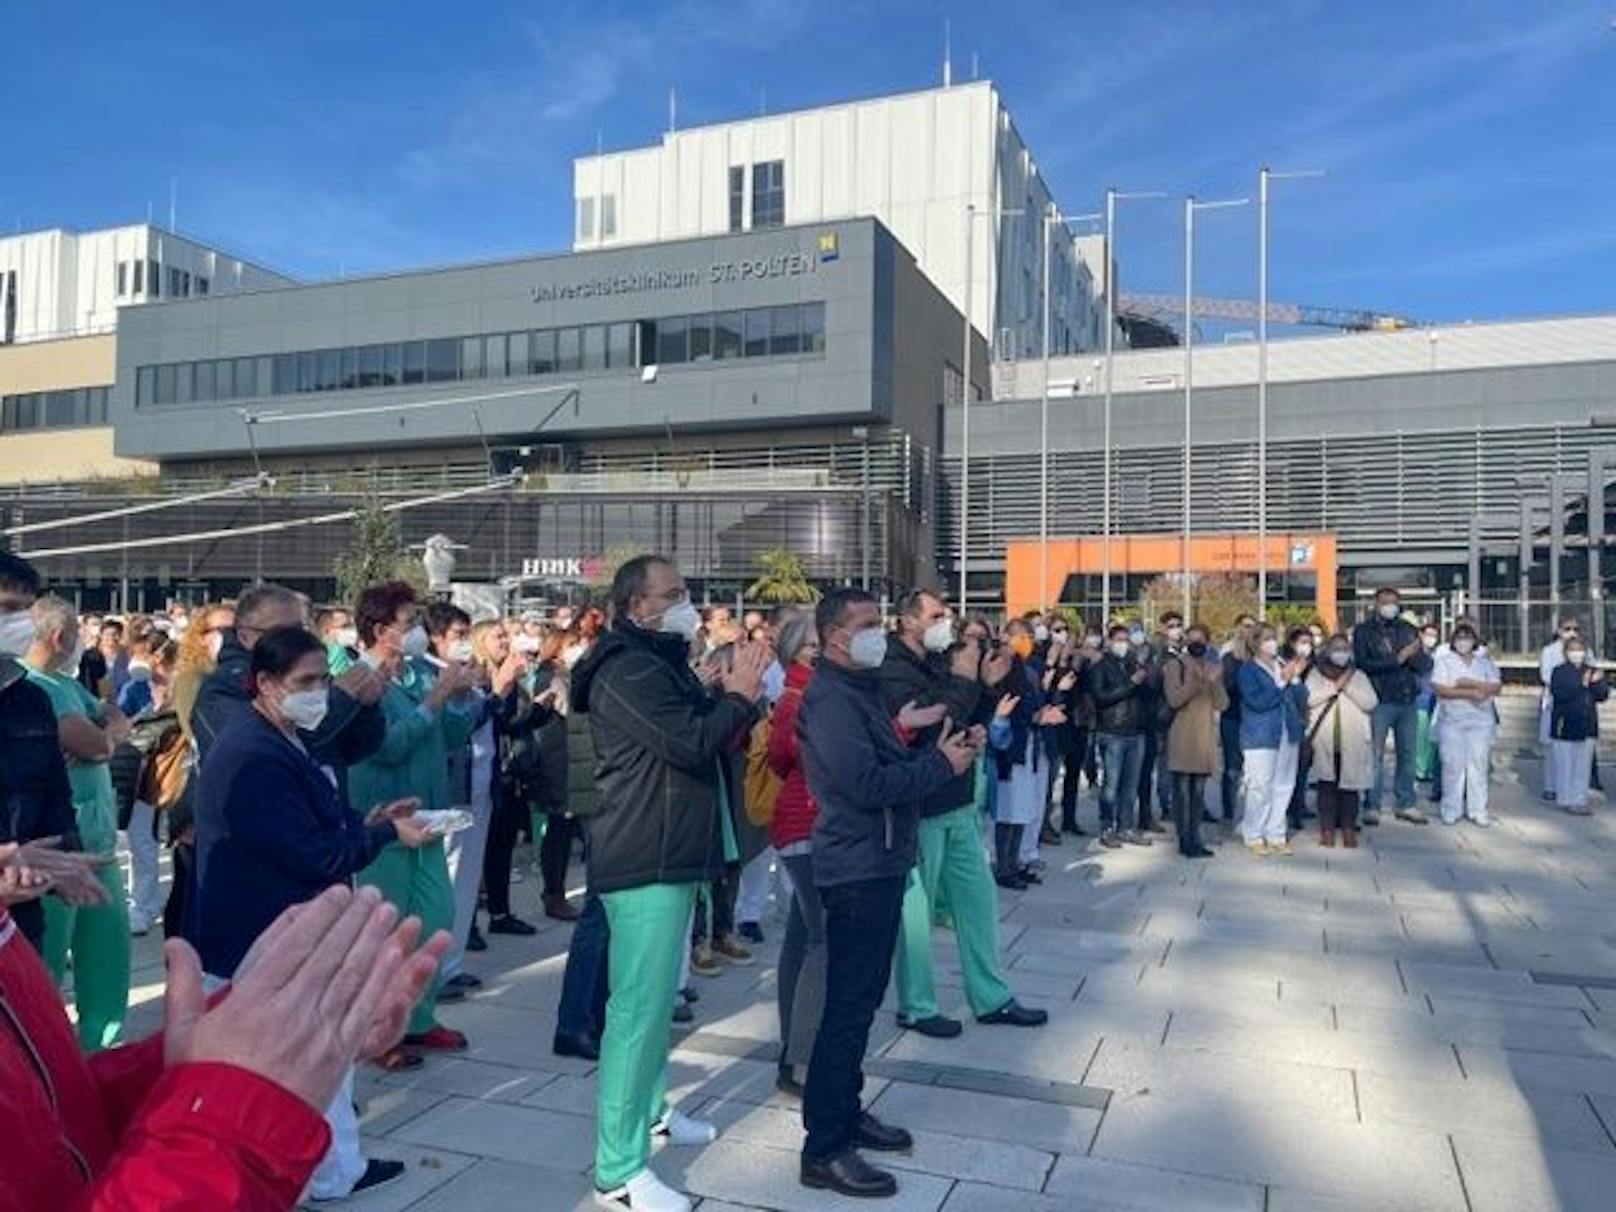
(582, 1012)
(1402, 721)
(1119, 786)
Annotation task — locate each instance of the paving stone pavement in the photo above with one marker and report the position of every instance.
(1426, 1023)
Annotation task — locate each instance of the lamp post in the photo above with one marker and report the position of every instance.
(1264, 176)
(1190, 207)
(1112, 197)
(971, 215)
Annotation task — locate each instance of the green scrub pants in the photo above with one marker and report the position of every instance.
(417, 883)
(98, 937)
(1424, 747)
(951, 864)
(648, 928)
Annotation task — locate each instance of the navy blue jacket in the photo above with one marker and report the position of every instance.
(1576, 707)
(271, 832)
(1375, 644)
(870, 788)
(36, 799)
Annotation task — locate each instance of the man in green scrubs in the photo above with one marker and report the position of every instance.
(925, 666)
(427, 716)
(662, 828)
(97, 935)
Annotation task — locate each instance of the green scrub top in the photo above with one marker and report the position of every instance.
(93, 801)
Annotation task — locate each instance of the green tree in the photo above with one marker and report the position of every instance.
(1216, 599)
(781, 580)
(376, 553)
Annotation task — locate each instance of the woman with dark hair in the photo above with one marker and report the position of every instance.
(272, 832)
(1299, 646)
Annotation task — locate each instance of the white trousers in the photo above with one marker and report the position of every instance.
(1270, 779)
(752, 896)
(1572, 764)
(1465, 756)
(145, 895)
(464, 853)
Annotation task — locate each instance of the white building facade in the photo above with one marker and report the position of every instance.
(60, 283)
(922, 163)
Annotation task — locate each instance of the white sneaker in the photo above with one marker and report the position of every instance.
(1481, 822)
(681, 1129)
(645, 1192)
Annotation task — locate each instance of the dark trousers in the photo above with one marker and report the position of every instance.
(582, 1012)
(1147, 777)
(1189, 791)
(1298, 805)
(1077, 760)
(1338, 808)
(555, 852)
(510, 813)
(174, 910)
(1234, 764)
(1007, 849)
(861, 929)
(726, 884)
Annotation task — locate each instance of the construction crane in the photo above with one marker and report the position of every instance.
(1169, 309)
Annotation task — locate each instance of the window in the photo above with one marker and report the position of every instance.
(201, 285)
(145, 383)
(442, 361)
(224, 381)
(620, 345)
(185, 283)
(586, 218)
(757, 332)
(518, 353)
(608, 216)
(328, 370)
(285, 375)
(184, 383)
(165, 384)
(392, 365)
(768, 194)
(67, 409)
(154, 278)
(701, 338)
(123, 278)
(542, 353)
(595, 347)
(785, 329)
(737, 196)
(203, 388)
(140, 276)
(727, 335)
(494, 365)
(471, 358)
(414, 362)
(349, 379)
(175, 287)
(98, 405)
(308, 370)
(569, 350)
(264, 376)
(673, 344)
(813, 328)
(370, 365)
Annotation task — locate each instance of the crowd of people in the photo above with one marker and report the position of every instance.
(353, 780)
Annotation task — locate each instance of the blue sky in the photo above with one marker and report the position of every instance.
(1470, 146)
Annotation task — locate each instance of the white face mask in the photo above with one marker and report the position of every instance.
(681, 619)
(306, 708)
(139, 671)
(939, 637)
(17, 632)
(1387, 610)
(1304, 648)
(462, 651)
(1576, 656)
(1119, 648)
(416, 642)
(346, 637)
(1040, 633)
(1340, 657)
(1136, 636)
(1464, 645)
(216, 644)
(1091, 641)
(69, 664)
(868, 648)
(1270, 647)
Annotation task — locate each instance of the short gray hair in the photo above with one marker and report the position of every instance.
(51, 613)
(255, 600)
(793, 635)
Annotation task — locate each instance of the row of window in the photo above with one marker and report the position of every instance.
(143, 277)
(608, 217)
(68, 409)
(768, 194)
(791, 330)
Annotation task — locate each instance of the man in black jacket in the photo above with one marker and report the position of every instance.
(925, 669)
(1388, 648)
(871, 792)
(662, 829)
(1118, 685)
(36, 800)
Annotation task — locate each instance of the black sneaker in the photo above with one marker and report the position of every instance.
(1014, 1014)
(475, 941)
(937, 1026)
(510, 924)
(377, 1172)
(751, 932)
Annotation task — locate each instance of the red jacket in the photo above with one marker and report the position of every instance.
(117, 1132)
(795, 810)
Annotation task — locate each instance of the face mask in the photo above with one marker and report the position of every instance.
(1119, 648)
(1136, 636)
(1304, 648)
(868, 648)
(215, 644)
(1040, 633)
(1197, 648)
(1387, 610)
(939, 637)
(17, 633)
(461, 650)
(1576, 656)
(69, 663)
(1021, 645)
(1270, 647)
(139, 671)
(306, 708)
(1340, 657)
(1464, 645)
(1428, 640)
(1175, 633)
(416, 642)
(1091, 641)
(346, 637)
(681, 619)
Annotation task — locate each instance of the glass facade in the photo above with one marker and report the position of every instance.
(71, 408)
(769, 194)
(793, 330)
